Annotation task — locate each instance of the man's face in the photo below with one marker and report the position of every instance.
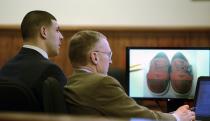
(53, 40)
(104, 54)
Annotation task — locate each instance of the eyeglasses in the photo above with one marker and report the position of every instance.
(109, 54)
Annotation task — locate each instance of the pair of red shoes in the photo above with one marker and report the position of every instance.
(161, 72)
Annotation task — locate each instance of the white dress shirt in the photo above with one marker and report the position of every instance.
(39, 50)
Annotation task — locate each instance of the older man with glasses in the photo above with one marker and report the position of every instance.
(90, 91)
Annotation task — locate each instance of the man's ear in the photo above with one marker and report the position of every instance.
(43, 32)
(94, 58)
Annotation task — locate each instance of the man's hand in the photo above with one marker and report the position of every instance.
(184, 113)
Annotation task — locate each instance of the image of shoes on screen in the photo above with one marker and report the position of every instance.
(165, 72)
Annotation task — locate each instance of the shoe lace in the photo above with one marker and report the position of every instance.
(183, 66)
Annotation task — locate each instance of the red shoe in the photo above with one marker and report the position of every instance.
(181, 75)
(158, 75)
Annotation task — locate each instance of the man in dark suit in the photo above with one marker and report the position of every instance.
(90, 91)
(41, 38)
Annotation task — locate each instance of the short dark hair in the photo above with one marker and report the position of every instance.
(33, 21)
(81, 44)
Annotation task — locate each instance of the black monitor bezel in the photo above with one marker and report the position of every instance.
(200, 79)
(127, 70)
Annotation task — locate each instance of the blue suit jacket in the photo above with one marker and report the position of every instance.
(30, 68)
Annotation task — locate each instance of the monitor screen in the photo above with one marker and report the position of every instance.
(166, 73)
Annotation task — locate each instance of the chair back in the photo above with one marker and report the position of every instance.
(53, 97)
(15, 96)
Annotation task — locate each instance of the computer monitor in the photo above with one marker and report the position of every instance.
(165, 73)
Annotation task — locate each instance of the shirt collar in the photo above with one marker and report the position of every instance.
(39, 50)
(85, 70)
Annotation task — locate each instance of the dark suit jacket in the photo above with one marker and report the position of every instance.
(30, 68)
(95, 94)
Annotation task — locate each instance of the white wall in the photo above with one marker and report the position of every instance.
(112, 12)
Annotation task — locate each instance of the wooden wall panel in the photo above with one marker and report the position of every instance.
(11, 42)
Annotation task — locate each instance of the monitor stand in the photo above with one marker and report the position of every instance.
(173, 104)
